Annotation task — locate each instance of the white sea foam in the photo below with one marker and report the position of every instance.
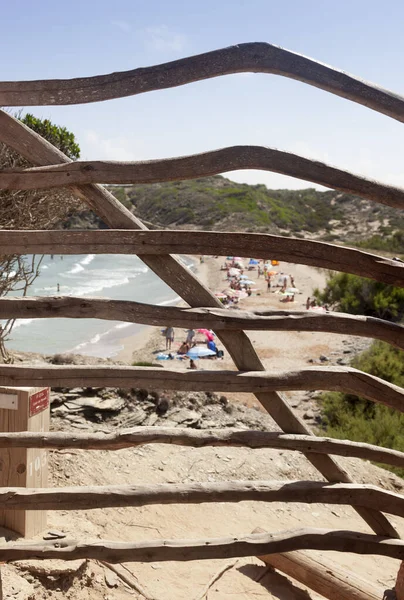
(95, 286)
(76, 269)
(20, 322)
(89, 258)
(122, 325)
(79, 266)
(94, 340)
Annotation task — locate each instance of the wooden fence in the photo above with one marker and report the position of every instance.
(155, 248)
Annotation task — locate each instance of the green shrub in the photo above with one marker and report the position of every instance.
(360, 296)
(346, 416)
(385, 243)
(143, 364)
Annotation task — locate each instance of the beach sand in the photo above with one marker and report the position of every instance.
(278, 350)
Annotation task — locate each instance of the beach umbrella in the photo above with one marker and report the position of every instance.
(206, 332)
(248, 282)
(220, 295)
(200, 352)
(293, 290)
(237, 258)
(253, 261)
(272, 273)
(233, 272)
(244, 277)
(229, 257)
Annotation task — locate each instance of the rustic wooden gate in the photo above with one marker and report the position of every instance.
(156, 248)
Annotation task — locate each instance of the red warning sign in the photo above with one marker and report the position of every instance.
(38, 402)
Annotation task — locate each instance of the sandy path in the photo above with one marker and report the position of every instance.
(165, 464)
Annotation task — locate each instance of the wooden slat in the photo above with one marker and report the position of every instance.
(215, 162)
(255, 57)
(213, 318)
(317, 254)
(207, 548)
(310, 492)
(184, 282)
(138, 436)
(324, 576)
(340, 379)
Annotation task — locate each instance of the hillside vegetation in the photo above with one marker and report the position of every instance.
(348, 416)
(216, 203)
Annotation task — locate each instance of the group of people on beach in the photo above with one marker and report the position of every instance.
(191, 342)
(236, 279)
(240, 285)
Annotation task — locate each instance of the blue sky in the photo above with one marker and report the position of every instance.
(80, 38)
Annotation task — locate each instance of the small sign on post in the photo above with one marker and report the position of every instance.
(24, 409)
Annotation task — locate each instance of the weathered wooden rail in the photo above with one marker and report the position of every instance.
(340, 379)
(53, 169)
(218, 319)
(308, 492)
(255, 57)
(317, 254)
(201, 165)
(207, 548)
(139, 436)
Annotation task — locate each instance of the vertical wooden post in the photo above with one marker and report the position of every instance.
(24, 409)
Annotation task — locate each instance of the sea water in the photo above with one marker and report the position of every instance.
(118, 277)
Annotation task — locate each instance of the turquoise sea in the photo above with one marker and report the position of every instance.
(108, 276)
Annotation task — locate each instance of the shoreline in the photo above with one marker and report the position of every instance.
(148, 336)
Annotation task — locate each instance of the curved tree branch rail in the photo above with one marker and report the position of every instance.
(219, 319)
(340, 379)
(160, 242)
(201, 165)
(139, 436)
(170, 270)
(307, 492)
(255, 57)
(208, 548)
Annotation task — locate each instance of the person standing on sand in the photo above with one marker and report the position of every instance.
(192, 364)
(169, 333)
(269, 284)
(308, 303)
(190, 336)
